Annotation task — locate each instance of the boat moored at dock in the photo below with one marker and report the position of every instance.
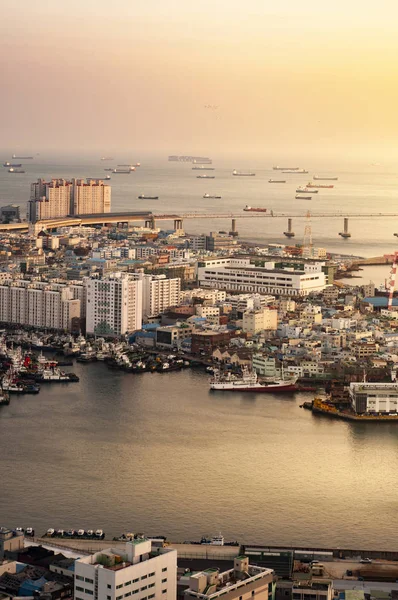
(248, 382)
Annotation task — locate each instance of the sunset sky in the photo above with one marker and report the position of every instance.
(291, 76)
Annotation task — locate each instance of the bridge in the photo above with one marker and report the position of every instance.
(149, 219)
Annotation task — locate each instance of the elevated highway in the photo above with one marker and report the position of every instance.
(150, 219)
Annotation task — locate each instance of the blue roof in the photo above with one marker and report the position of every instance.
(150, 326)
(380, 301)
(30, 585)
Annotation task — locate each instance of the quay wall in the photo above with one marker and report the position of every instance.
(220, 552)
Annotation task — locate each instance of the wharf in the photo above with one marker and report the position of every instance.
(206, 551)
(322, 408)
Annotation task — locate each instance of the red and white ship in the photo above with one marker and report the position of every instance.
(248, 382)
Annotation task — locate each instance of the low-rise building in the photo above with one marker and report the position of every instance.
(243, 582)
(374, 397)
(263, 319)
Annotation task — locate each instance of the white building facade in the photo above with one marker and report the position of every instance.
(38, 304)
(113, 305)
(238, 274)
(158, 292)
(134, 572)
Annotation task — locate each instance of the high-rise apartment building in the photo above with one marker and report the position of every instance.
(113, 304)
(135, 572)
(158, 292)
(61, 197)
(38, 304)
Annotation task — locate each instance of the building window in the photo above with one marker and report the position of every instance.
(151, 585)
(79, 589)
(87, 580)
(164, 580)
(164, 591)
(119, 586)
(127, 583)
(89, 592)
(128, 594)
(135, 580)
(79, 578)
(109, 598)
(144, 588)
(109, 586)
(144, 577)
(151, 574)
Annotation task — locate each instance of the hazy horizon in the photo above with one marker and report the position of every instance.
(294, 80)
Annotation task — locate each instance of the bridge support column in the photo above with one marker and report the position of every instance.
(289, 233)
(345, 233)
(178, 225)
(233, 231)
(150, 223)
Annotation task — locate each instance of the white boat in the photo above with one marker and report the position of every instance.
(243, 173)
(50, 532)
(217, 540)
(248, 382)
(99, 533)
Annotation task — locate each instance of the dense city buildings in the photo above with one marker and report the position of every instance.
(62, 197)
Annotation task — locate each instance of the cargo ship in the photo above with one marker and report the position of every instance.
(276, 180)
(319, 185)
(250, 209)
(300, 171)
(210, 196)
(248, 382)
(107, 158)
(122, 171)
(202, 168)
(318, 178)
(22, 157)
(243, 173)
(205, 176)
(143, 197)
(8, 164)
(304, 190)
(12, 170)
(278, 168)
(303, 197)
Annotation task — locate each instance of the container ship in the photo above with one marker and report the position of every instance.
(250, 209)
(248, 382)
(22, 157)
(304, 190)
(14, 165)
(318, 178)
(243, 173)
(319, 185)
(276, 180)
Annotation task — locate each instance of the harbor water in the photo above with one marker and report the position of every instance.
(160, 453)
(360, 189)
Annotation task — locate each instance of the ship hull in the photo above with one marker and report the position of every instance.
(262, 389)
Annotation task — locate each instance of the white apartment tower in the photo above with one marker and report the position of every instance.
(135, 572)
(61, 197)
(158, 292)
(113, 305)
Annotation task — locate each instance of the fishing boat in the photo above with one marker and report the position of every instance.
(248, 382)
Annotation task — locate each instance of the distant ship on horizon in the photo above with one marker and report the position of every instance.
(243, 173)
(22, 157)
